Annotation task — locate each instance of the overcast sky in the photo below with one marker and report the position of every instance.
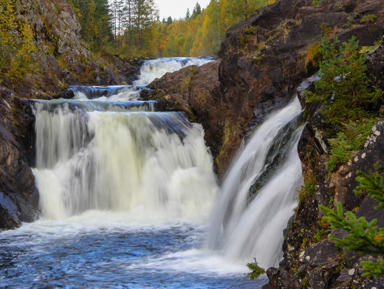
(177, 8)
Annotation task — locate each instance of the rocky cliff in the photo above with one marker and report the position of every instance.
(310, 259)
(61, 58)
(261, 66)
(18, 195)
(260, 69)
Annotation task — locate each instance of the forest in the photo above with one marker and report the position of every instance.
(133, 28)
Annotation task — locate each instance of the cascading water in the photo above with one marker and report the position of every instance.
(156, 68)
(258, 194)
(106, 150)
(153, 163)
(126, 192)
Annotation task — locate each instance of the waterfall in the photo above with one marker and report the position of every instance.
(105, 150)
(258, 194)
(156, 68)
(108, 151)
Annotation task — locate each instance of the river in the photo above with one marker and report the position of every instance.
(129, 198)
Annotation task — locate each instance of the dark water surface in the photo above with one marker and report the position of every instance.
(80, 253)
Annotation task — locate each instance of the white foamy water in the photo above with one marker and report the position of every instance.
(121, 93)
(150, 70)
(156, 68)
(153, 164)
(243, 229)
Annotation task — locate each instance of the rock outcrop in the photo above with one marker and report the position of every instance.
(194, 90)
(306, 242)
(261, 67)
(61, 57)
(18, 195)
(307, 234)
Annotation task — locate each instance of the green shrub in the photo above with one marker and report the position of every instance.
(307, 190)
(351, 139)
(256, 270)
(344, 89)
(370, 18)
(363, 237)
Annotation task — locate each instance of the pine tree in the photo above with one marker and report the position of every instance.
(237, 9)
(363, 237)
(196, 11)
(95, 20)
(344, 87)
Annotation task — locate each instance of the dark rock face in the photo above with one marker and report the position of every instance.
(375, 66)
(18, 194)
(301, 239)
(308, 262)
(195, 90)
(262, 66)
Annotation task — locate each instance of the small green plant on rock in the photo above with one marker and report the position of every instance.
(256, 270)
(307, 190)
(370, 18)
(343, 89)
(246, 36)
(351, 139)
(363, 237)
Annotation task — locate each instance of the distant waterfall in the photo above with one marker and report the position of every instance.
(258, 194)
(156, 68)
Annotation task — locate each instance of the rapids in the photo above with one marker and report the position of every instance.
(129, 198)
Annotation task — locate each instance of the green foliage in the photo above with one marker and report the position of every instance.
(244, 8)
(256, 270)
(95, 21)
(373, 269)
(132, 27)
(370, 18)
(323, 231)
(316, 2)
(17, 41)
(307, 190)
(363, 236)
(196, 11)
(246, 35)
(372, 185)
(351, 139)
(344, 87)
(313, 58)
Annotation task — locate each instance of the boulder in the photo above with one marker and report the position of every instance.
(194, 90)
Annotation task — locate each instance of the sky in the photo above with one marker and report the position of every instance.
(177, 8)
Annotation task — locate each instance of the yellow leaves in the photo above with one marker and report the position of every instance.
(17, 40)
